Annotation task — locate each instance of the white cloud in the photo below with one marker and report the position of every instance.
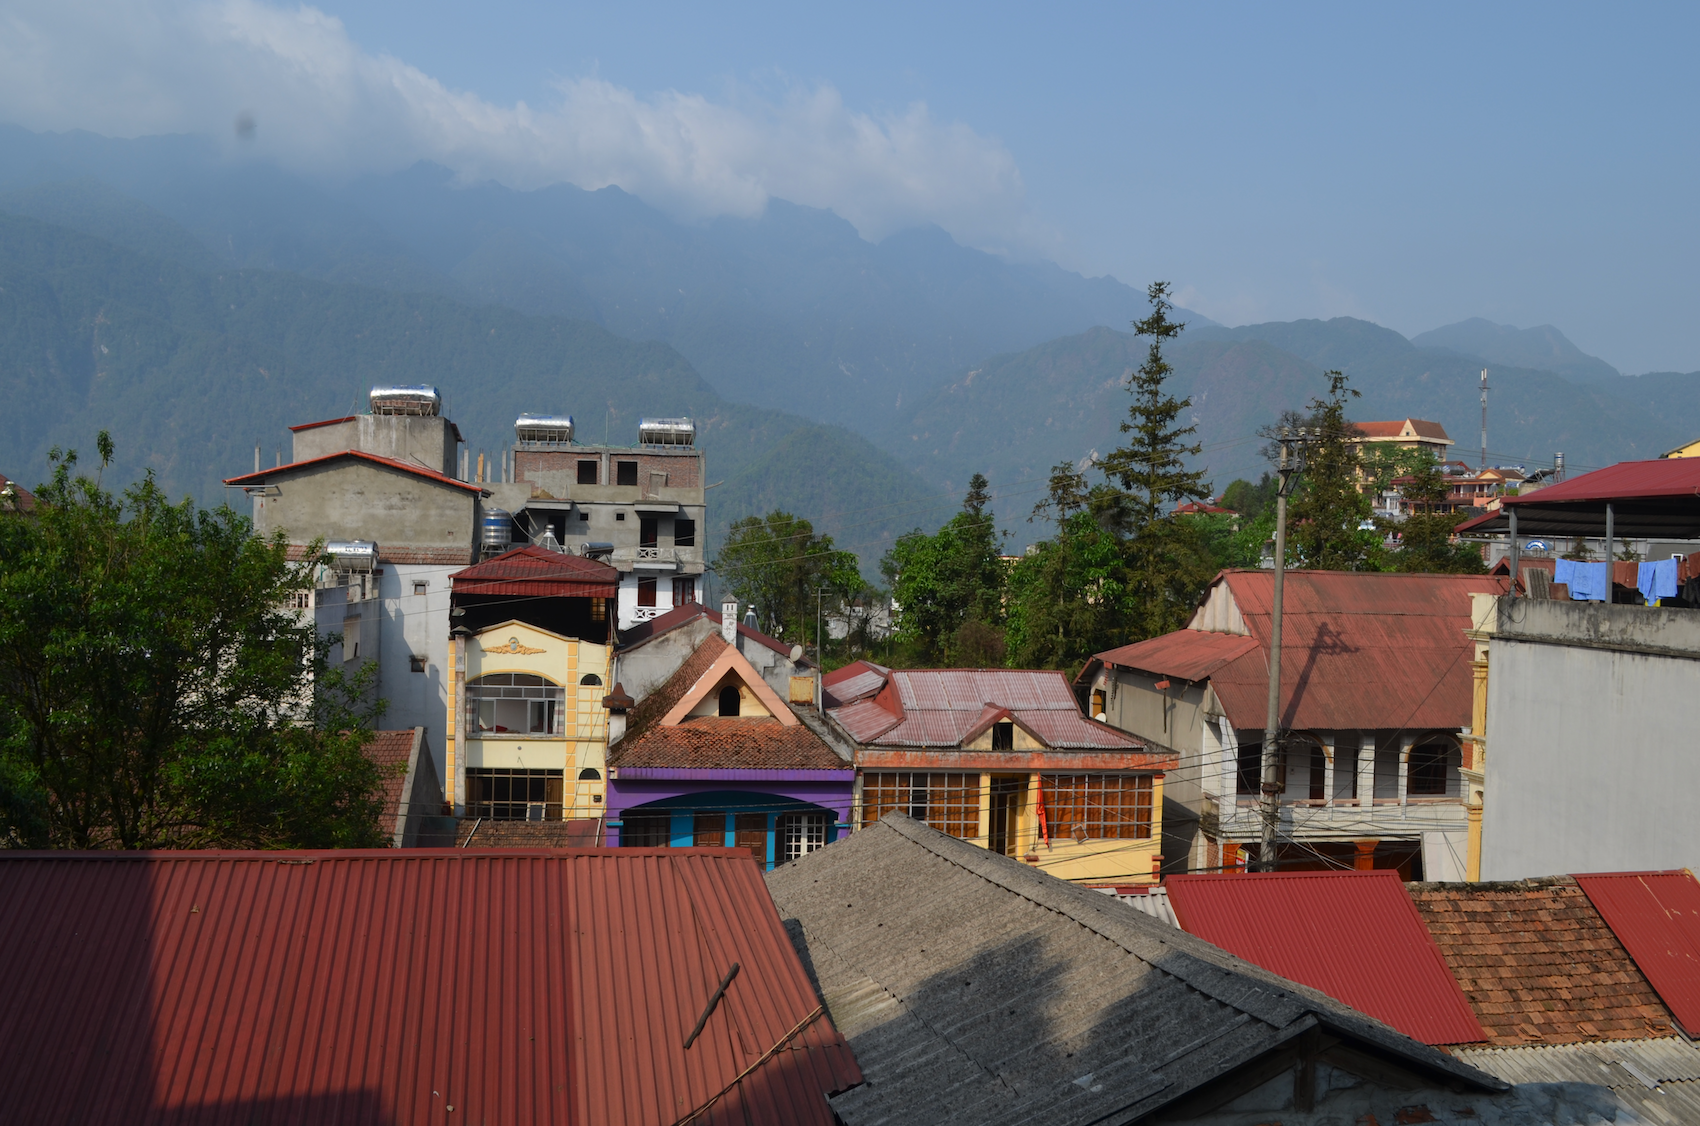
(324, 105)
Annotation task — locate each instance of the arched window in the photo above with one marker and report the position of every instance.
(729, 700)
(590, 774)
(591, 678)
(518, 703)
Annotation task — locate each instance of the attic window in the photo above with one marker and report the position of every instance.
(729, 701)
(1003, 736)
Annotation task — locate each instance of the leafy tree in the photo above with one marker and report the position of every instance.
(1425, 534)
(949, 586)
(778, 564)
(156, 690)
(1166, 564)
(1249, 500)
(1326, 517)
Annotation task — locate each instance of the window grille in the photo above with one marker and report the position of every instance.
(949, 803)
(646, 829)
(515, 703)
(513, 795)
(1100, 806)
(800, 834)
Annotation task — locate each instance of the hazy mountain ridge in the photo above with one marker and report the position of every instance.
(189, 370)
(1542, 348)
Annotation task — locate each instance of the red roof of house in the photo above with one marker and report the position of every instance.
(391, 750)
(1650, 498)
(394, 985)
(537, 572)
(852, 682)
(1353, 935)
(940, 707)
(388, 462)
(1359, 651)
(690, 612)
(1657, 917)
(1194, 507)
(1538, 964)
(25, 499)
(714, 742)
(326, 422)
(1394, 428)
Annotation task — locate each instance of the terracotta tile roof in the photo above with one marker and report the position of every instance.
(474, 832)
(1538, 964)
(714, 742)
(1395, 428)
(390, 750)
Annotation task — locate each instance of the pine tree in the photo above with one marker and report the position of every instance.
(1325, 521)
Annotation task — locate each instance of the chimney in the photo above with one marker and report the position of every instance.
(729, 620)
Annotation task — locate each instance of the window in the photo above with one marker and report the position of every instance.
(646, 591)
(621, 516)
(590, 774)
(419, 586)
(684, 532)
(1428, 770)
(515, 703)
(749, 830)
(587, 470)
(1250, 773)
(799, 834)
(598, 609)
(584, 514)
(513, 795)
(590, 679)
(1098, 806)
(949, 803)
(646, 829)
(625, 473)
(1003, 736)
(1318, 773)
(416, 664)
(708, 830)
(730, 702)
(684, 591)
(647, 531)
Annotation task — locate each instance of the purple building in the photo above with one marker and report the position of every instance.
(714, 756)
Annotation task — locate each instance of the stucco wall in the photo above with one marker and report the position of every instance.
(351, 499)
(424, 441)
(1591, 723)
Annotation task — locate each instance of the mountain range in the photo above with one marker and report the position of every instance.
(196, 304)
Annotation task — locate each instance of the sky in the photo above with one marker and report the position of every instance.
(1416, 165)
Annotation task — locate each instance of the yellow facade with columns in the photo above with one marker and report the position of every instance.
(547, 717)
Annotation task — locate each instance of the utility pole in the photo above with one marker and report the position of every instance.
(1271, 788)
(1483, 465)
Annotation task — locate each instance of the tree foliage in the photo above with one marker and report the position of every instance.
(1425, 534)
(155, 689)
(949, 586)
(779, 565)
(1327, 514)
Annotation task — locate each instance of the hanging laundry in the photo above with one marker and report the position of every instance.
(1588, 582)
(1657, 579)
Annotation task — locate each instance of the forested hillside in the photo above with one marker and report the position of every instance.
(190, 369)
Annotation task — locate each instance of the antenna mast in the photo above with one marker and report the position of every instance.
(1483, 465)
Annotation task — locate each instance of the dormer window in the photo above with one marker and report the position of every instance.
(729, 700)
(1003, 736)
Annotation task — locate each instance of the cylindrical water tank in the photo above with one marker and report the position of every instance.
(667, 432)
(544, 428)
(407, 399)
(495, 528)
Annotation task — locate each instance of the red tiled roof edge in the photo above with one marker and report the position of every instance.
(388, 463)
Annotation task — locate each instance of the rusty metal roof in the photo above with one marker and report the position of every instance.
(1659, 499)
(852, 682)
(1656, 915)
(390, 986)
(690, 612)
(942, 707)
(1191, 654)
(1356, 936)
(1359, 651)
(537, 572)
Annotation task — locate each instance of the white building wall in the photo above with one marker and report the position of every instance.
(1591, 757)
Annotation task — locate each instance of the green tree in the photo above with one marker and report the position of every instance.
(1326, 518)
(1166, 563)
(1425, 534)
(949, 586)
(1249, 500)
(156, 690)
(779, 565)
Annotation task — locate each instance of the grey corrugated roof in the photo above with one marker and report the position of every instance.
(1656, 1080)
(974, 989)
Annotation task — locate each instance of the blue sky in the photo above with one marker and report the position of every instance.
(1526, 163)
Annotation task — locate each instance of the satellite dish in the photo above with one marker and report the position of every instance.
(796, 652)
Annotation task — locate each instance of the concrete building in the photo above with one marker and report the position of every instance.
(1374, 706)
(1589, 715)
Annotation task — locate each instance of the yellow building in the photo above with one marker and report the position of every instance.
(530, 663)
(1692, 449)
(1004, 759)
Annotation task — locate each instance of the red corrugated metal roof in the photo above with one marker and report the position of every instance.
(1664, 477)
(1359, 651)
(537, 572)
(941, 707)
(1650, 498)
(390, 463)
(390, 987)
(689, 612)
(1656, 915)
(1191, 654)
(1355, 936)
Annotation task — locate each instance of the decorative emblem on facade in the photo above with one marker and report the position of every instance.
(511, 646)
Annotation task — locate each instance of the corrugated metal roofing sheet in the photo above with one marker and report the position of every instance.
(1649, 498)
(943, 707)
(537, 572)
(1191, 654)
(1359, 651)
(390, 987)
(388, 462)
(1655, 1080)
(1356, 936)
(1656, 915)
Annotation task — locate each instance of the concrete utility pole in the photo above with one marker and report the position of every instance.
(1484, 419)
(1271, 787)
